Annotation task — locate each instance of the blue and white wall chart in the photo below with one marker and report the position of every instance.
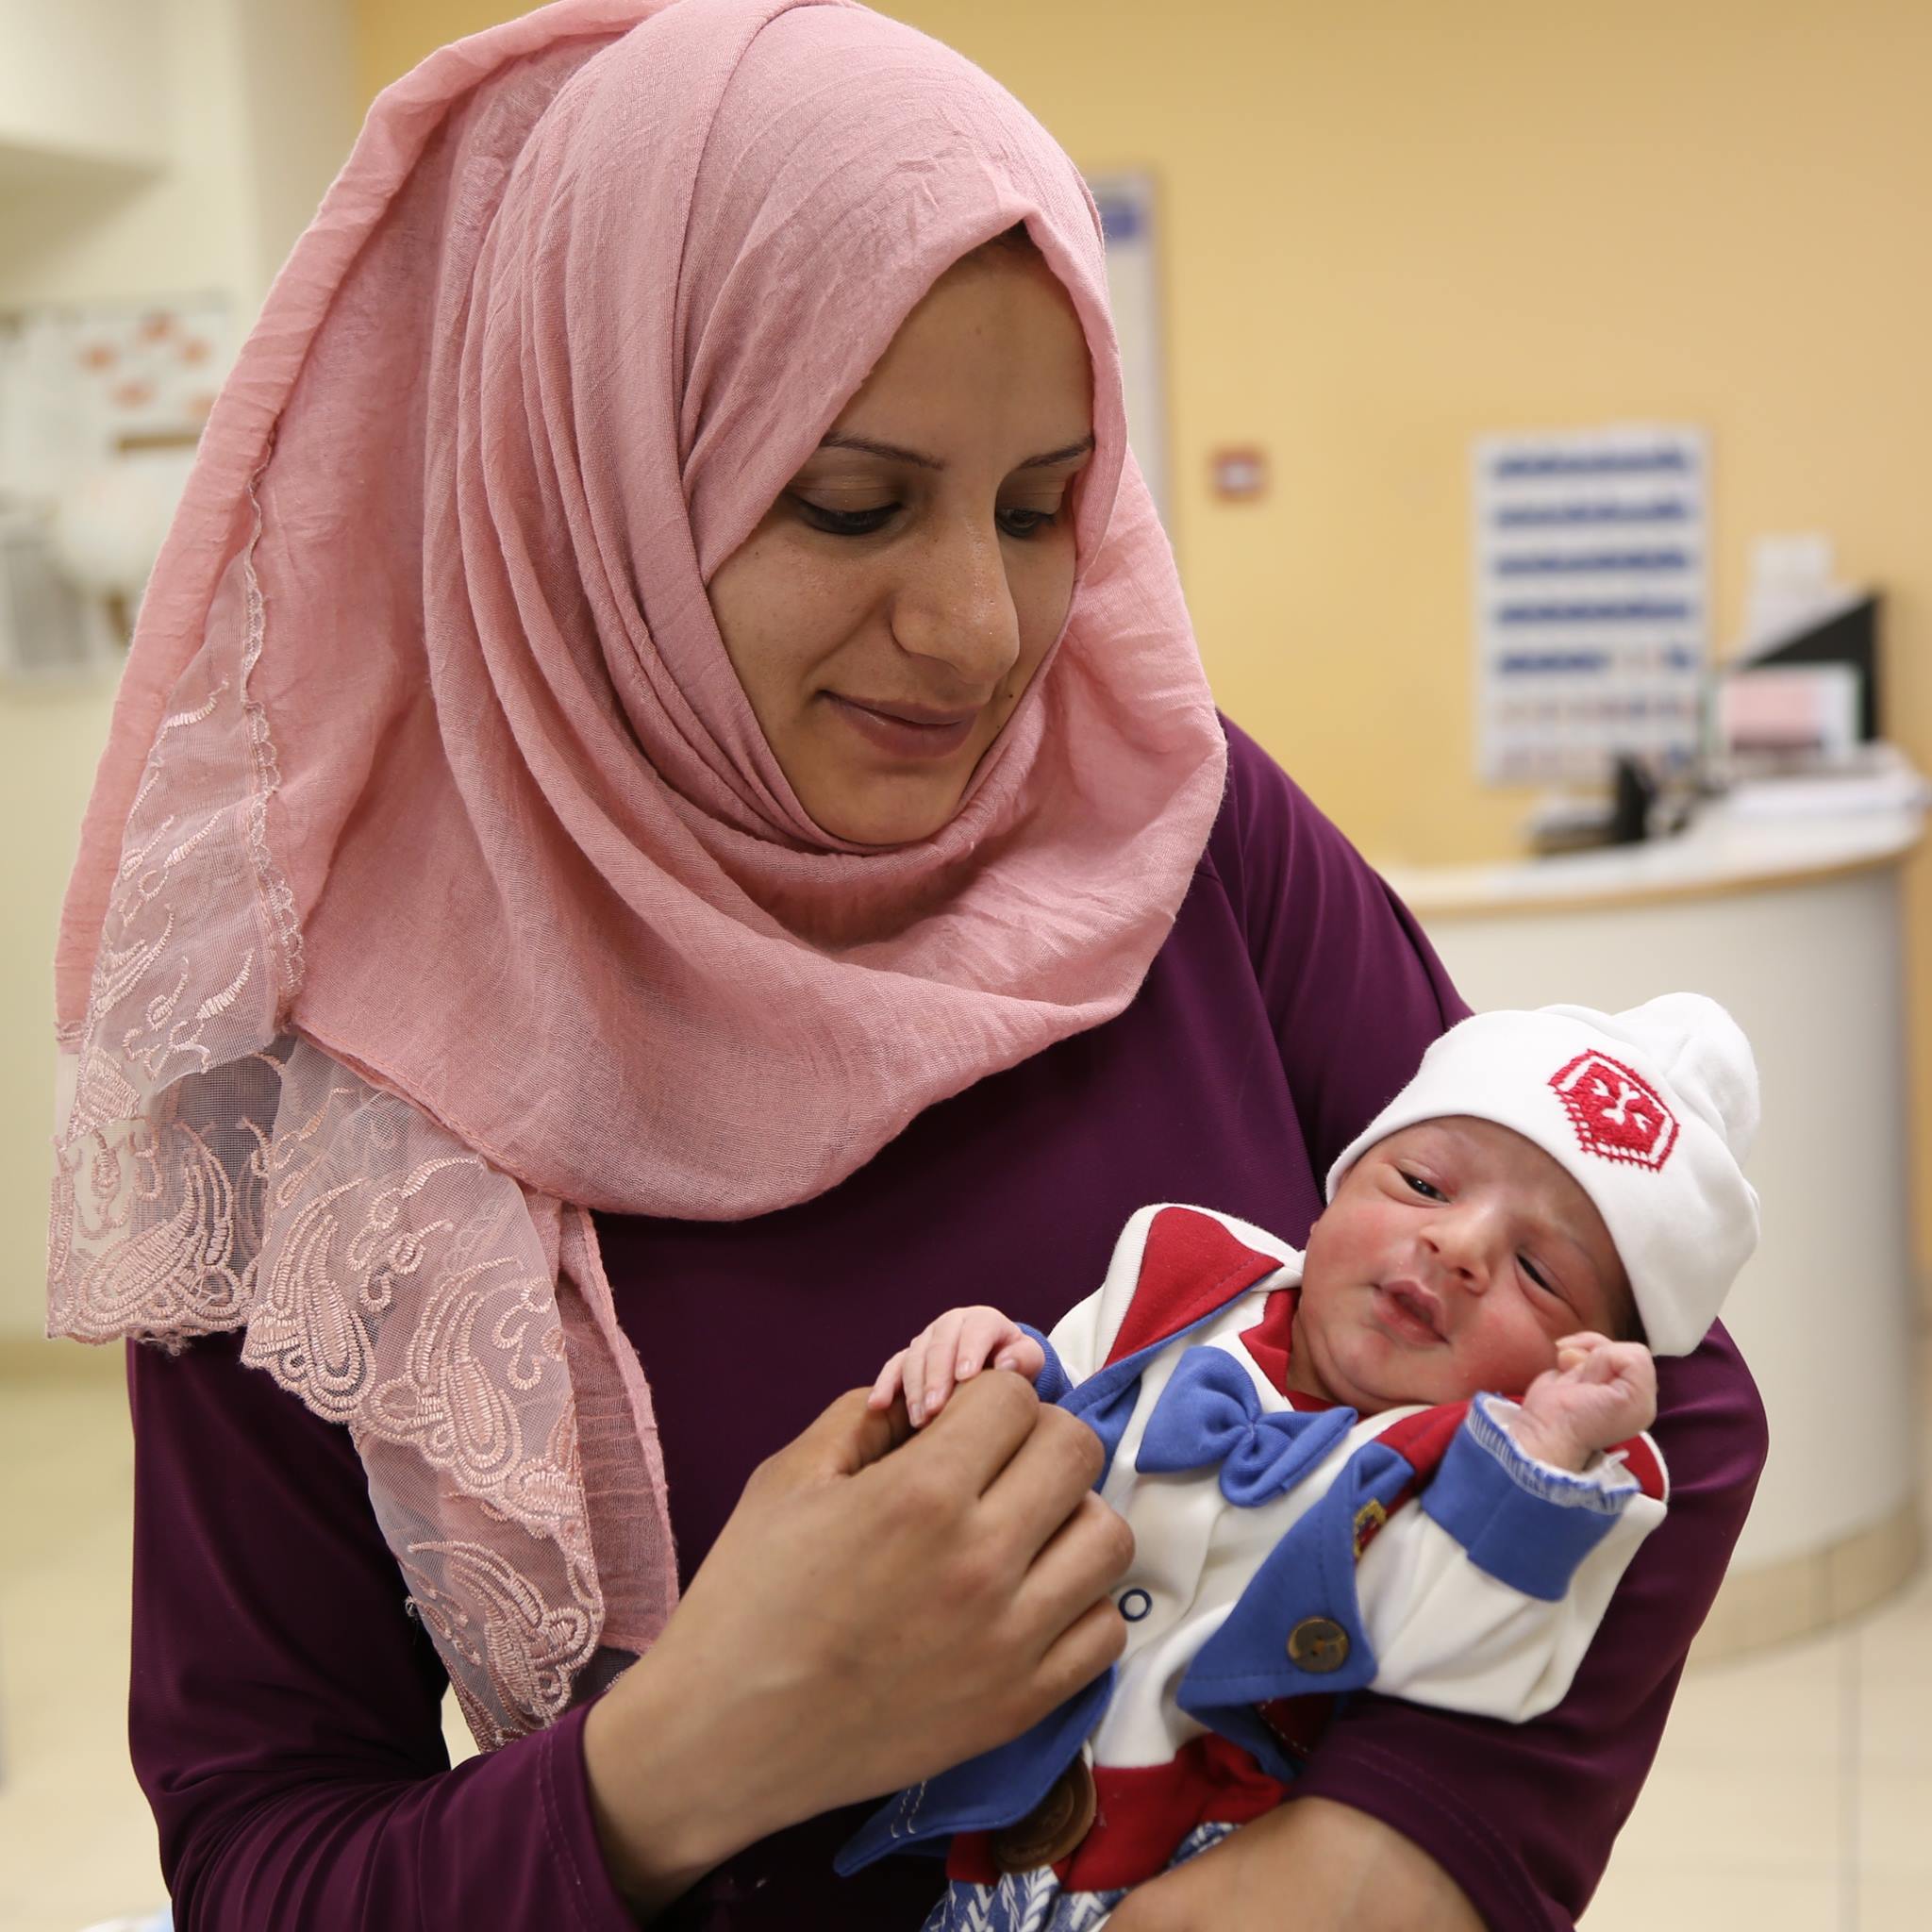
(1592, 601)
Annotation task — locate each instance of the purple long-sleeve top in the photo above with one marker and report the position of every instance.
(285, 1710)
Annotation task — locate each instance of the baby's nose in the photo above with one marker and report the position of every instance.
(1462, 1252)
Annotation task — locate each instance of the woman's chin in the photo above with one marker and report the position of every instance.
(887, 812)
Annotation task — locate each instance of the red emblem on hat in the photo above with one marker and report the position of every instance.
(1616, 1113)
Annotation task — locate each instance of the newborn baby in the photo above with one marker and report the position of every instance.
(1410, 1458)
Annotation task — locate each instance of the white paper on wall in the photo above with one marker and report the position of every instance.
(1592, 599)
(78, 385)
(99, 409)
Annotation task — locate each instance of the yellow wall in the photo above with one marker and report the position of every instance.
(1390, 227)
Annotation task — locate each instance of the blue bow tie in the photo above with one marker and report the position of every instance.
(1209, 1413)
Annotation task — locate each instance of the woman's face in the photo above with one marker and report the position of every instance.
(886, 614)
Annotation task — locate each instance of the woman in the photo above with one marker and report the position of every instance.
(664, 819)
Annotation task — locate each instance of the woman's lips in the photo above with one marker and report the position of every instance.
(1408, 1312)
(907, 732)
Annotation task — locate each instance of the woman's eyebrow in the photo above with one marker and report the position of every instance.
(897, 453)
(1084, 447)
(893, 452)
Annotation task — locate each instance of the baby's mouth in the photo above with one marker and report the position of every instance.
(1408, 1310)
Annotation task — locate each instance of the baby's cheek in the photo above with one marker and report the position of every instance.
(1515, 1360)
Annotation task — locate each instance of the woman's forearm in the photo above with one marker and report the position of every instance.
(669, 1795)
(1313, 1864)
(1351, 1872)
(285, 1712)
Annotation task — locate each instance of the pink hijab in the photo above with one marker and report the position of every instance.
(439, 886)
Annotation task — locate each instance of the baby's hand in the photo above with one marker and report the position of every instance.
(953, 1349)
(1600, 1393)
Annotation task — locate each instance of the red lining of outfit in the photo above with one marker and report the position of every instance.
(1143, 1810)
(1190, 1266)
(1641, 1460)
(1270, 1345)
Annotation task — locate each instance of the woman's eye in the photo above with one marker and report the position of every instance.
(1027, 522)
(1428, 1189)
(845, 523)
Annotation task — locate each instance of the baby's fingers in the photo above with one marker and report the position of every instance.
(1023, 1356)
(888, 1384)
(953, 1349)
(913, 1374)
(937, 1368)
(980, 1333)
(1584, 1349)
(989, 1335)
(1635, 1367)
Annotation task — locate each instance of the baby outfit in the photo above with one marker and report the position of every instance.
(1288, 1550)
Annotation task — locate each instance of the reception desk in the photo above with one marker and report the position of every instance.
(1793, 922)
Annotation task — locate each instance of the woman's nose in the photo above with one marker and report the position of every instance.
(956, 608)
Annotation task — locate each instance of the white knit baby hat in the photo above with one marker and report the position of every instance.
(1650, 1110)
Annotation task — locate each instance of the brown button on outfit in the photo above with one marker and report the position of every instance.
(1319, 1645)
(1053, 1827)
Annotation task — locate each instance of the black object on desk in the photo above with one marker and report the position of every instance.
(1630, 803)
(1849, 636)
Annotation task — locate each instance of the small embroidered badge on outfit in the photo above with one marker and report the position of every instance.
(1614, 1111)
(1368, 1520)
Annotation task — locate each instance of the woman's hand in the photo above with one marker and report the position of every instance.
(865, 1620)
(1316, 1865)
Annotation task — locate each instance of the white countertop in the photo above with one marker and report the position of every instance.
(1765, 833)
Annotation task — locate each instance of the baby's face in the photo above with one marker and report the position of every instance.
(1452, 1256)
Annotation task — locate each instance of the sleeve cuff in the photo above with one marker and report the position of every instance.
(1521, 1521)
(1053, 1380)
(569, 1828)
(1605, 1485)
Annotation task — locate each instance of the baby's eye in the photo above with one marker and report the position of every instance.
(1428, 1189)
(1537, 1276)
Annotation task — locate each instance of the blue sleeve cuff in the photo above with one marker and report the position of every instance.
(1052, 1381)
(995, 1789)
(1522, 1521)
